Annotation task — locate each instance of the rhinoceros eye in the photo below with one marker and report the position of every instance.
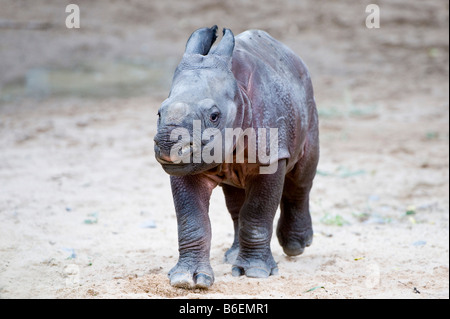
(214, 117)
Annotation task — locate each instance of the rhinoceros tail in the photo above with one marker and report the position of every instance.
(201, 40)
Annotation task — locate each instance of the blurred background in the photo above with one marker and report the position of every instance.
(129, 48)
(86, 211)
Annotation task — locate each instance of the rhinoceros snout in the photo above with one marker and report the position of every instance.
(172, 152)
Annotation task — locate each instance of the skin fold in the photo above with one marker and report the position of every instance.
(247, 81)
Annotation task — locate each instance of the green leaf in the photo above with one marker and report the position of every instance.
(314, 288)
(411, 210)
(336, 220)
(93, 218)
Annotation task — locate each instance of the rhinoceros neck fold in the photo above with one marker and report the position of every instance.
(243, 109)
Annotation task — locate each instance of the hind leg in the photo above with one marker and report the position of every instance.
(234, 198)
(294, 229)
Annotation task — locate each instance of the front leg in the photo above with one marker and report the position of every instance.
(263, 195)
(191, 196)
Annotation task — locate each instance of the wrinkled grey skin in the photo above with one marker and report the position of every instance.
(250, 80)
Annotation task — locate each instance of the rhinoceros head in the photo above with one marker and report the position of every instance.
(202, 99)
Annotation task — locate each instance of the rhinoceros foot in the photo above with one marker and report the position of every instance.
(190, 276)
(261, 266)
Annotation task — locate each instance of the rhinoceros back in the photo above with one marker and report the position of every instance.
(279, 87)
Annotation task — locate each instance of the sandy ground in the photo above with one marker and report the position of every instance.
(86, 211)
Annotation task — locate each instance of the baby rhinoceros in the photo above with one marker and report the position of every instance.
(229, 107)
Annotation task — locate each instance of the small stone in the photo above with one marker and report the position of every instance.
(420, 243)
(148, 224)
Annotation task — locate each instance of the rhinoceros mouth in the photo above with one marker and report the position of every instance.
(177, 169)
(166, 162)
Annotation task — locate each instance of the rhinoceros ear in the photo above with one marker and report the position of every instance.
(201, 40)
(226, 46)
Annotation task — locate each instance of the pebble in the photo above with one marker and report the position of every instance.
(419, 243)
(148, 224)
(70, 251)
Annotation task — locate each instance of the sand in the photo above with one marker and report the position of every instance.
(87, 212)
